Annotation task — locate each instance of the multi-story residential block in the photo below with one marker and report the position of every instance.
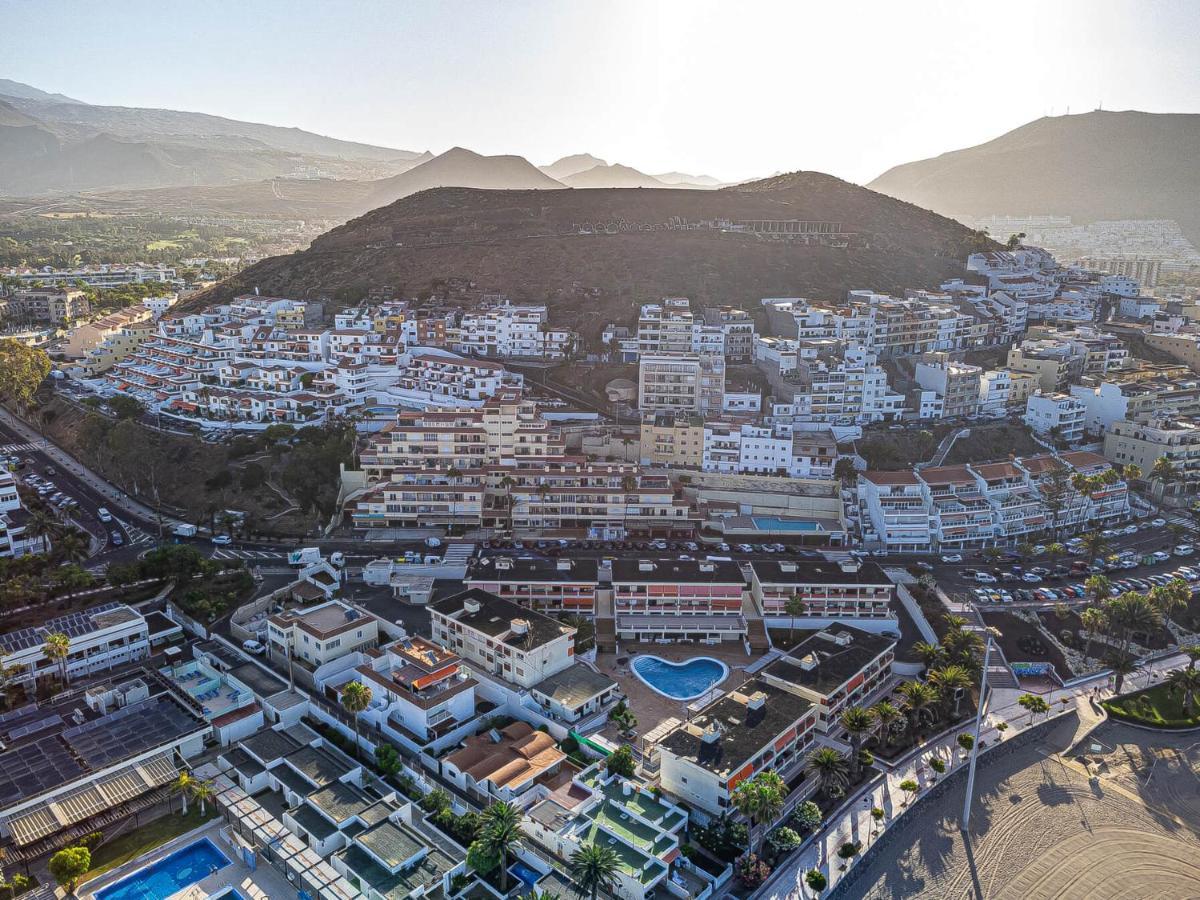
(780, 449)
(421, 500)
(829, 592)
(681, 382)
(162, 368)
(1138, 307)
(1056, 415)
(102, 638)
(672, 439)
(1144, 444)
(1183, 346)
(54, 305)
(984, 504)
(1137, 395)
(440, 378)
(15, 537)
(545, 585)
(836, 668)
(678, 600)
(116, 348)
(320, 634)
(995, 392)
(89, 335)
(519, 645)
(834, 384)
(508, 330)
(97, 276)
(1055, 364)
(956, 384)
(737, 326)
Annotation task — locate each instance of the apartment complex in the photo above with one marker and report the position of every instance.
(668, 599)
(681, 382)
(320, 634)
(545, 585)
(53, 305)
(1144, 444)
(508, 330)
(799, 592)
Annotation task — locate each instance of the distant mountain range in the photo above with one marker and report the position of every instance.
(1094, 166)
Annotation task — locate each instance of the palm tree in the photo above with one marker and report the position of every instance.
(886, 713)
(831, 769)
(1164, 472)
(760, 799)
(794, 606)
(928, 653)
(951, 681)
(1193, 654)
(1094, 621)
(1055, 551)
(1130, 613)
(507, 483)
(918, 698)
(501, 835)
(858, 722)
(1169, 597)
(1131, 472)
(594, 867)
(954, 622)
(183, 786)
(202, 791)
(1099, 587)
(1187, 681)
(1121, 666)
(356, 697)
(1094, 543)
(963, 647)
(56, 649)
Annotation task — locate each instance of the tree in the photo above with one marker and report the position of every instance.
(1130, 613)
(1099, 587)
(844, 470)
(886, 713)
(966, 741)
(593, 867)
(816, 881)
(808, 815)
(183, 786)
(125, 407)
(22, 370)
(202, 792)
(831, 769)
(951, 682)
(1094, 544)
(1193, 654)
(930, 654)
(1187, 682)
(1055, 551)
(918, 699)
(794, 606)
(1094, 621)
(877, 815)
(858, 722)
(909, 787)
(1014, 240)
(1170, 597)
(356, 697)
(621, 762)
(69, 865)
(760, 799)
(1034, 704)
(436, 801)
(57, 649)
(501, 835)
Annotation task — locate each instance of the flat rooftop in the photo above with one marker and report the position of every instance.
(503, 568)
(824, 665)
(73, 625)
(673, 571)
(771, 571)
(496, 615)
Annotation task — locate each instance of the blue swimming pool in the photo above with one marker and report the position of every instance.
(529, 875)
(169, 875)
(774, 523)
(680, 681)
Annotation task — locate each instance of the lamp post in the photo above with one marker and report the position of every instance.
(966, 815)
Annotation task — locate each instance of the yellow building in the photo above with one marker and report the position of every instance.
(117, 348)
(90, 335)
(675, 440)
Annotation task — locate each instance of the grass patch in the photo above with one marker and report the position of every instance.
(1155, 707)
(142, 840)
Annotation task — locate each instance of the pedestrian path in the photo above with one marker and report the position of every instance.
(855, 823)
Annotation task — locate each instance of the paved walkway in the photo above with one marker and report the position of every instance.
(855, 822)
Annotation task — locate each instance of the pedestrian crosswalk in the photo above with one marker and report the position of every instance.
(9, 449)
(1182, 519)
(231, 553)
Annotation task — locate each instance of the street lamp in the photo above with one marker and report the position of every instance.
(966, 815)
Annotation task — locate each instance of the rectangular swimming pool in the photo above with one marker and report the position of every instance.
(169, 875)
(773, 523)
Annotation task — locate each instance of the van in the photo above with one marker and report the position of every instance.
(985, 578)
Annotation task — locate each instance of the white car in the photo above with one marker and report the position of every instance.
(104, 515)
(1031, 578)
(253, 647)
(1158, 523)
(1184, 550)
(222, 539)
(985, 578)
(1131, 529)
(952, 558)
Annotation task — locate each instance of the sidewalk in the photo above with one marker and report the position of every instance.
(97, 483)
(855, 822)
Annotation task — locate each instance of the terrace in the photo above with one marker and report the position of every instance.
(216, 694)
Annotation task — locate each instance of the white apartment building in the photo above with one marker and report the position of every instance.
(509, 330)
(750, 449)
(1056, 415)
(995, 392)
(501, 638)
(681, 382)
(830, 592)
(956, 384)
(1162, 437)
(96, 276)
(101, 637)
(320, 634)
(440, 378)
(835, 384)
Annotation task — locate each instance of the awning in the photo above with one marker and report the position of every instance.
(91, 799)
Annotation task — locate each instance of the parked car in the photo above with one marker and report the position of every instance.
(1161, 555)
(952, 558)
(1031, 578)
(1184, 550)
(222, 539)
(103, 515)
(1158, 523)
(116, 539)
(924, 566)
(985, 578)
(253, 647)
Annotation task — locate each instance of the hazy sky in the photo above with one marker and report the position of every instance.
(733, 89)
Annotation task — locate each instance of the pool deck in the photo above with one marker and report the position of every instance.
(262, 884)
(652, 708)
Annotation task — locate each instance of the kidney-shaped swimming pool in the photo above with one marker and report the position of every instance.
(680, 681)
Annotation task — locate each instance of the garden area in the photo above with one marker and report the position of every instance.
(143, 839)
(1166, 705)
(1021, 641)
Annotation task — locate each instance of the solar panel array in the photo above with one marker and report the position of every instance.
(34, 768)
(73, 625)
(34, 727)
(129, 731)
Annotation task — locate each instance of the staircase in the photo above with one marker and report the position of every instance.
(756, 629)
(605, 622)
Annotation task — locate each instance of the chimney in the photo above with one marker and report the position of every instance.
(519, 626)
(711, 734)
(503, 563)
(756, 700)
(756, 708)
(472, 606)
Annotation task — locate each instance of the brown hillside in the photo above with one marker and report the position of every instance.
(529, 245)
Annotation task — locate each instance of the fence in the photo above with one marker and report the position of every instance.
(178, 616)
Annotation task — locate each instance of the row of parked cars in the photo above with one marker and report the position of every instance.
(1069, 592)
